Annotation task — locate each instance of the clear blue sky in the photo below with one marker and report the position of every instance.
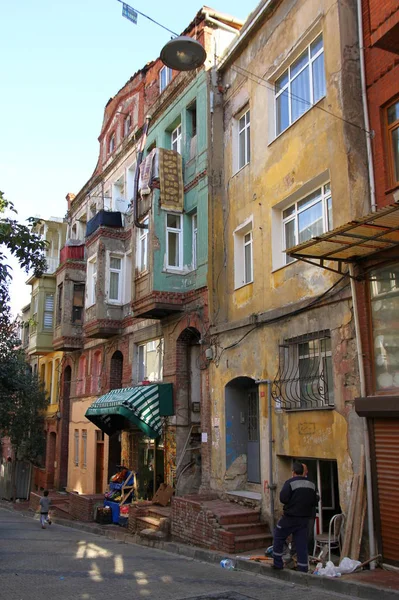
(60, 63)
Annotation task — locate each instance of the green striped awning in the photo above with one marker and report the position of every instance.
(139, 405)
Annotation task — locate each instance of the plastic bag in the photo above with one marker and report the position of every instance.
(328, 571)
(347, 565)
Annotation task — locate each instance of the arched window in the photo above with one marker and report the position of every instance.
(116, 371)
(96, 373)
(80, 386)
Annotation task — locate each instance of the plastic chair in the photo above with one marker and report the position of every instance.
(332, 539)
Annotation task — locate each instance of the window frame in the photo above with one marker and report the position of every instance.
(91, 281)
(142, 241)
(179, 233)
(241, 278)
(246, 132)
(111, 143)
(287, 86)
(167, 79)
(176, 139)
(194, 241)
(60, 293)
(74, 320)
(76, 447)
(389, 129)
(48, 311)
(327, 226)
(84, 448)
(126, 128)
(119, 299)
(142, 361)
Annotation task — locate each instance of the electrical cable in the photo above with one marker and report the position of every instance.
(150, 19)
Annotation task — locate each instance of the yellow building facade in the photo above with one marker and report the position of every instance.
(289, 163)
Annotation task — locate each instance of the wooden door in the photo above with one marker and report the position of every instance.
(99, 467)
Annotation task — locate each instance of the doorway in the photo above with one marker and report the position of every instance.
(114, 454)
(99, 461)
(242, 425)
(324, 473)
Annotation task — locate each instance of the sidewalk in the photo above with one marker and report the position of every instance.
(369, 585)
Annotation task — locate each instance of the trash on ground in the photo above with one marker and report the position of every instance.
(228, 564)
(347, 565)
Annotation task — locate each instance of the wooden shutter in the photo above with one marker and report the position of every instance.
(386, 437)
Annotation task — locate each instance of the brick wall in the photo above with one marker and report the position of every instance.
(382, 77)
(191, 522)
(82, 507)
(134, 512)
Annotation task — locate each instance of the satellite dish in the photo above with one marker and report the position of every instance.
(183, 53)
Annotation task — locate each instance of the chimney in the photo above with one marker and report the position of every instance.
(70, 198)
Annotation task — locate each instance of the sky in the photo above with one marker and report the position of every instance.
(60, 62)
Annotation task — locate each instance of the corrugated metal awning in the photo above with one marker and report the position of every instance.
(138, 405)
(357, 239)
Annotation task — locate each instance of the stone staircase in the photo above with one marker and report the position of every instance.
(150, 520)
(60, 505)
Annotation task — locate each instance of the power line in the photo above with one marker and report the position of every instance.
(265, 83)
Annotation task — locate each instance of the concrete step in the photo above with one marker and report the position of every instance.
(231, 518)
(160, 512)
(250, 542)
(247, 528)
(148, 523)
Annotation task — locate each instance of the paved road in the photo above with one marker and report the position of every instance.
(60, 563)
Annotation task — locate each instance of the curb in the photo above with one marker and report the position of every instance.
(335, 585)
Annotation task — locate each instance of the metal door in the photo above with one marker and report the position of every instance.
(253, 453)
(386, 439)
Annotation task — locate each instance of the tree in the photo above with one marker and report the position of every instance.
(22, 399)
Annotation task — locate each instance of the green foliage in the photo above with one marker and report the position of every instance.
(22, 399)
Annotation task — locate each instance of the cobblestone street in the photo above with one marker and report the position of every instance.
(63, 563)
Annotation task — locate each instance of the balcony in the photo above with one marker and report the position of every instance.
(102, 328)
(384, 26)
(72, 253)
(52, 264)
(154, 304)
(104, 218)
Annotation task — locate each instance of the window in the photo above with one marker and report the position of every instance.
(59, 303)
(126, 125)
(115, 279)
(300, 86)
(80, 384)
(393, 141)
(244, 140)
(84, 448)
(194, 232)
(192, 128)
(174, 241)
(76, 448)
(165, 77)
(142, 249)
(309, 217)
(243, 259)
(305, 375)
(116, 370)
(91, 281)
(48, 311)
(111, 144)
(176, 139)
(384, 294)
(150, 361)
(78, 302)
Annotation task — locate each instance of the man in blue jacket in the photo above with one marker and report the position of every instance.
(299, 497)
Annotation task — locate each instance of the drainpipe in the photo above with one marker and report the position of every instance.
(369, 134)
(272, 485)
(370, 516)
(136, 175)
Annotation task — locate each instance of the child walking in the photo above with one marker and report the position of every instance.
(45, 502)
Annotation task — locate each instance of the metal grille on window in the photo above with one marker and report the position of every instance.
(48, 311)
(304, 378)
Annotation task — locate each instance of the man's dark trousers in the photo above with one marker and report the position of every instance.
(298, 527)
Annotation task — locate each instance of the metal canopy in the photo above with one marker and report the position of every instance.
(357, 239)
(138, 405)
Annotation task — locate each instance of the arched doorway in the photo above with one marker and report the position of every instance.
(242, 425)
(116, 370)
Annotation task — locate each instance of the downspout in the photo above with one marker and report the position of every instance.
(369, 134)
(136, 175)
(369, 489)
(271, 485)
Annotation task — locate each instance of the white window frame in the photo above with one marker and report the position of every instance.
(165, 77)
(241, 277)
(175, 139)
(286, 88)
(326, 200)
(111, 143)
(142, 248)
(119, 271)
(91, 284)
(194, 226)
(127, 123)
(244, 131)
(156, 345)
(178, 231)
(47, 311)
